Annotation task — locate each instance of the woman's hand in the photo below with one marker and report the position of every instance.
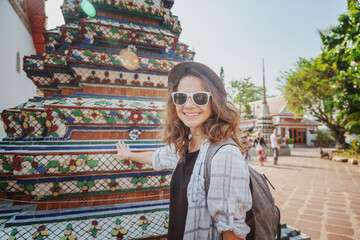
(229, 235)
(123, 151)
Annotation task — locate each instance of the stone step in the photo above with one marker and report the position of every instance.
(134, 220)
(7, 210)
(290, 233)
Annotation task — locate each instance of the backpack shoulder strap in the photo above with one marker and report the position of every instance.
(212, 150)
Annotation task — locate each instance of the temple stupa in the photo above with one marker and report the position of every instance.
(103, 78)
(264, 125)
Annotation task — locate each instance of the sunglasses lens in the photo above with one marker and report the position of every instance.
(179, 98)
(200, 98)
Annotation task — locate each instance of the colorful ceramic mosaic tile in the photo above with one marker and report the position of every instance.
(113, 30)
(107, 222)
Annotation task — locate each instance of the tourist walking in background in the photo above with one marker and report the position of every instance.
(274, 140)
(260, 148)
(245, 146)
(199, 114)
(249, 144)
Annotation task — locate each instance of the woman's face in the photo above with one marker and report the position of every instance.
(192, 115)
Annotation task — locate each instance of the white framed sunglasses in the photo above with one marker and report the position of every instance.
(199, 98)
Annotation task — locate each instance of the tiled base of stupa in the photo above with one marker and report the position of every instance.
(124, 199)
(58, 170)
(122, 221)
(140, 220)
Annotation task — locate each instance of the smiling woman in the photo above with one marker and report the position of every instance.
(199, 115)
(190, 113)
(190, 78)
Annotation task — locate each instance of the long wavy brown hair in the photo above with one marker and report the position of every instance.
(222, 124)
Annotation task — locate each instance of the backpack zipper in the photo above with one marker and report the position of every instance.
(268, 181)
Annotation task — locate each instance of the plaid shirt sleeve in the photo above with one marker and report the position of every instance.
(165, 158)
(229, 196)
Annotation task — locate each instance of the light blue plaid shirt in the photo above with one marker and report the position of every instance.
(229, 196)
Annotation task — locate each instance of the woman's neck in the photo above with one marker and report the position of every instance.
(195, 142)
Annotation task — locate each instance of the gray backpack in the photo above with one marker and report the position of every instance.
(264, 217)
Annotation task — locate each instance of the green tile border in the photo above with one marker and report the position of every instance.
(83, 217)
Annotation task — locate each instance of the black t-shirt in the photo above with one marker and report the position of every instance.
(178, 196)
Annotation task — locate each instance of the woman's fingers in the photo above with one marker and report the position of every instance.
(118, 147)
(122, 150)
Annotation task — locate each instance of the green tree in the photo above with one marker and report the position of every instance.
(308, 90)
(242, 92)
(323, 139)
(341, 44)
(328, 87)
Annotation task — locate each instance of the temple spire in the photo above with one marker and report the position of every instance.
(264, 90)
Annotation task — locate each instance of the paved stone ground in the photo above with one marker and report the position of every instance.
(319, 197)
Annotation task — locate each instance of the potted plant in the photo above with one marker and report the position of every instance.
(291, 142)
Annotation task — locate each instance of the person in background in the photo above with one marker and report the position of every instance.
(245, 146)
(274, 140)
(199, 114)
(260, 148)
(249, 142)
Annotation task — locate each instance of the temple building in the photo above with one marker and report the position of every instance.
(300, 128)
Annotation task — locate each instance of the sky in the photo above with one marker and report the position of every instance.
(238, 34)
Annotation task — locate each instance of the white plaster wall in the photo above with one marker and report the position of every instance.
(310, 137)
(15, 88)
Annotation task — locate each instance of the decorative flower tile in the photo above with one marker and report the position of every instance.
(12, 123)
(66, 163)
(132, 33)
(118, 77)
(110, 185)
(107, 227)
(52, 39)
(52, 58)
(81, 55)
(33, 63)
